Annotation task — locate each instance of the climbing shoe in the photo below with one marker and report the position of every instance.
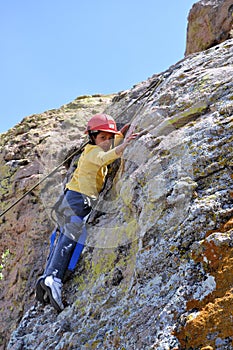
(41, 294)
(53, 287)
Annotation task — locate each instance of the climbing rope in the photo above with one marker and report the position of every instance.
(152, 86)
(46, 177)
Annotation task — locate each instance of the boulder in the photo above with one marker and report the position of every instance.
(209, 23)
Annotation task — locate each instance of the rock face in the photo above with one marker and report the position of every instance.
(30, 151)
(210, 22)
(157, 269)
(156, 272)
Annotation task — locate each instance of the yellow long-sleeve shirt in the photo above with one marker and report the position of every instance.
(91, 171)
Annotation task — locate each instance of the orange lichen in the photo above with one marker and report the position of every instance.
(213, 317)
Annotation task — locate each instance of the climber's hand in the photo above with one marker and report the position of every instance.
(125, 129)
(121, 147)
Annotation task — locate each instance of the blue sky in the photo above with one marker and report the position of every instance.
(55, 50)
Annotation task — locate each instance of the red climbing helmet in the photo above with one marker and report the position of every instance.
(102, 122)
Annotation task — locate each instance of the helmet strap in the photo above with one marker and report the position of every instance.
(113, 141)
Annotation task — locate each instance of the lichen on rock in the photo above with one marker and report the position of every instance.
(156, 269)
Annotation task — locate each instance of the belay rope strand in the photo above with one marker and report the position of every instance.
(44, 178)
(151, 86)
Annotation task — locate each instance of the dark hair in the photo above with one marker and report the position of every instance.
(92, 136)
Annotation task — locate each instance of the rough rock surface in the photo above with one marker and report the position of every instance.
(157, 270)
(29, 151)
(210, 22)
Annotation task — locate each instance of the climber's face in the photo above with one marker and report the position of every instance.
(104, 140)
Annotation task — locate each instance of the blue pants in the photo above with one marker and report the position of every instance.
(72, 234)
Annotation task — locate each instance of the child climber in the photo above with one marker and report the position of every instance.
(80, 194)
